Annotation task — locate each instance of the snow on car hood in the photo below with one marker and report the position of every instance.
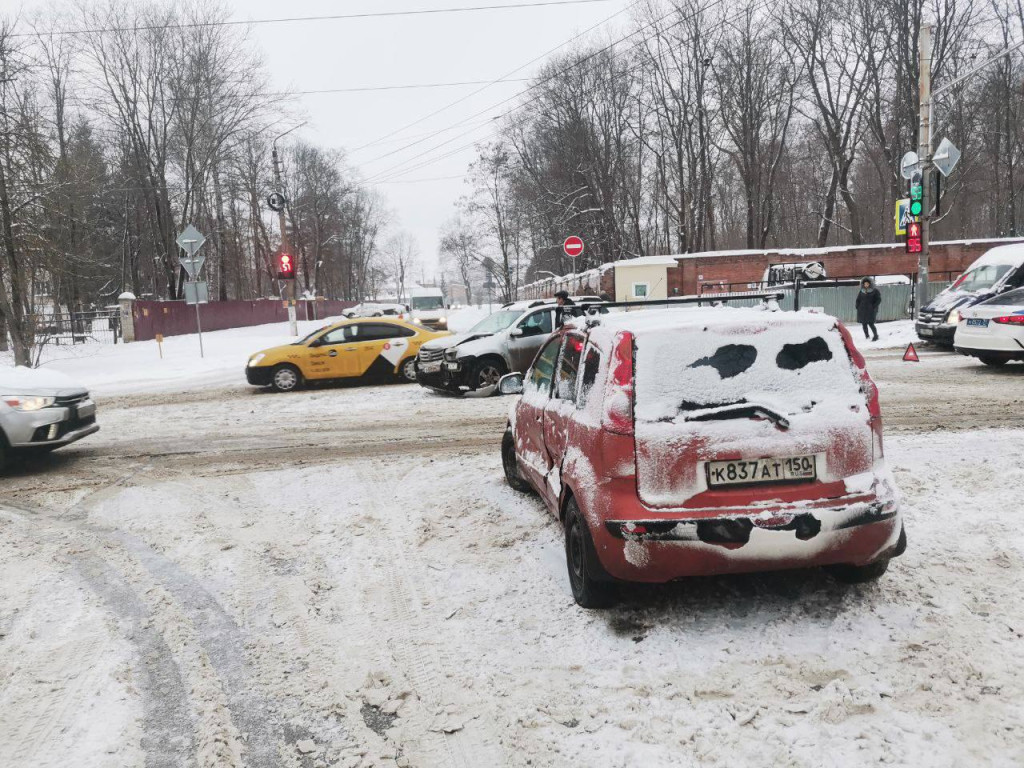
(950, 299)
(36, 381)
(455, 340)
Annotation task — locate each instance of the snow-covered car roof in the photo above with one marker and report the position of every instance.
(688, 318)
(1004, 254)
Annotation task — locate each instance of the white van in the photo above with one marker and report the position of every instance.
(428, 308)
(998, 270)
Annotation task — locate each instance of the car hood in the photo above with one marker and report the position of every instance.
(948, 300)
(455, 340)
(41, 382)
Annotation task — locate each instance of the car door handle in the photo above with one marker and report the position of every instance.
(350, 349)
(333, 353)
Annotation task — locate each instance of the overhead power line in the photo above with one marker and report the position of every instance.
(295, 19)
(502, 79)
(396, 171)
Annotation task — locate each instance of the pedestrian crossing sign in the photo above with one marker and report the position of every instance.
(903, 216)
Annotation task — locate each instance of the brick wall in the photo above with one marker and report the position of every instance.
(853, 261)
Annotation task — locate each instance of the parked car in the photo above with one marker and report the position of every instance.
(504, 341)
(682, 442)
(42, 410)
(375, 309)
(993, 331)
(998, 270)
(378, 348)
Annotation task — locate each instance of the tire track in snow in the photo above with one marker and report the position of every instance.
(472, 746)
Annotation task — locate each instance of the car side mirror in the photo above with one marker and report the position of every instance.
(515, 333)
(511, 384)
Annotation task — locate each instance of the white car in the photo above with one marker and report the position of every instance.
(41, 410)
(993, 331)
(375, 309)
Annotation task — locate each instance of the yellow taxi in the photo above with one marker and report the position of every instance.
(360, 348)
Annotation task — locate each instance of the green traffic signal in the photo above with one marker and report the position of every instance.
(915, 207)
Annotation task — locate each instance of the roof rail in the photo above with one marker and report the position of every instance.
(686, 300)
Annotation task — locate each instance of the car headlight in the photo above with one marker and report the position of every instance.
(27, 402)
(443, 320)
(953, 317)
(255, 359)
(451, 355)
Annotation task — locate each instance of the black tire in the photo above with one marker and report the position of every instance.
(285, 378)
(859, 574)
(486, 373)
(510, 464)
(408, 370)
(581, 561)
(993, 362)
(3, 452)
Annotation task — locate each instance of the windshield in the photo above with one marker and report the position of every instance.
(786, 369)
(981, 278)
(1009, 299)
(498, 321)
(427, 302)
(308, 337)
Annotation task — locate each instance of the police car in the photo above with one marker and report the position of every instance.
(993, 331)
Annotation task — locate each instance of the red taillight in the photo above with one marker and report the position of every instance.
(618, 397)
(1009, 320)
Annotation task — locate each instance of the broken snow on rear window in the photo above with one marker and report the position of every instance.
(791, 367)
(730, 360)
(796, 356)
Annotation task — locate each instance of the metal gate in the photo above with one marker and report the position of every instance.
(68, 328)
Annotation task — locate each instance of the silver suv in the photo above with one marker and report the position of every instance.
(506, 340)
(41, 413)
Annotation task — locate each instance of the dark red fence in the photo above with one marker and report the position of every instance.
(175, 318)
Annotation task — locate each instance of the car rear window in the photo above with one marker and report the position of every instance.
(1009, 299)
(790, 367)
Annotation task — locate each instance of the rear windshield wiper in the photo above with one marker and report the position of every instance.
(740, 411)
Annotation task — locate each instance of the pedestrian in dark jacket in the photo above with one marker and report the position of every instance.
(868, 301)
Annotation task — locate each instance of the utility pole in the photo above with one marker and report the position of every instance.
(924, 153)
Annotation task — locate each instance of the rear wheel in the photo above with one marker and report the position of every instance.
(581, 560)
(486, 373)
(993, 362)
(3, 453)
(510, 463)
(859, 574)
(408, 369)
(285, 378)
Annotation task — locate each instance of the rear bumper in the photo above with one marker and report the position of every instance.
(941, 333)
(258, 376)
(659, 550)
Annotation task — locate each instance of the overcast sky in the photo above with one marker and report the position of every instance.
(442, 48)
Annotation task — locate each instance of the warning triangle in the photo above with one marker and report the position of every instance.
(910, 355)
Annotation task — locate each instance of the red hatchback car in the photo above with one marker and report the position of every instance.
(695, 441)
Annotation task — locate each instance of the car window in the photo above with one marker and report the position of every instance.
(537, 324)
(590, 368)
(1008, 299)
(981, 278)
(339, 335)
(543, 368)
(378, 331)
(568, 367)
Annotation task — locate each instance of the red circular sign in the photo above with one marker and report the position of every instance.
(573, 246)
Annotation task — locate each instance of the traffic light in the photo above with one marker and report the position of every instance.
(285, 267)
(916, 194)
(914, 237)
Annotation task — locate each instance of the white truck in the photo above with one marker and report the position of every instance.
(428, 308)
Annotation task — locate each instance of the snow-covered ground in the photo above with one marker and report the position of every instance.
(340, 577)
(230, 577)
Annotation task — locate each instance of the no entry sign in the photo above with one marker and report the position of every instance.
(573, 246)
